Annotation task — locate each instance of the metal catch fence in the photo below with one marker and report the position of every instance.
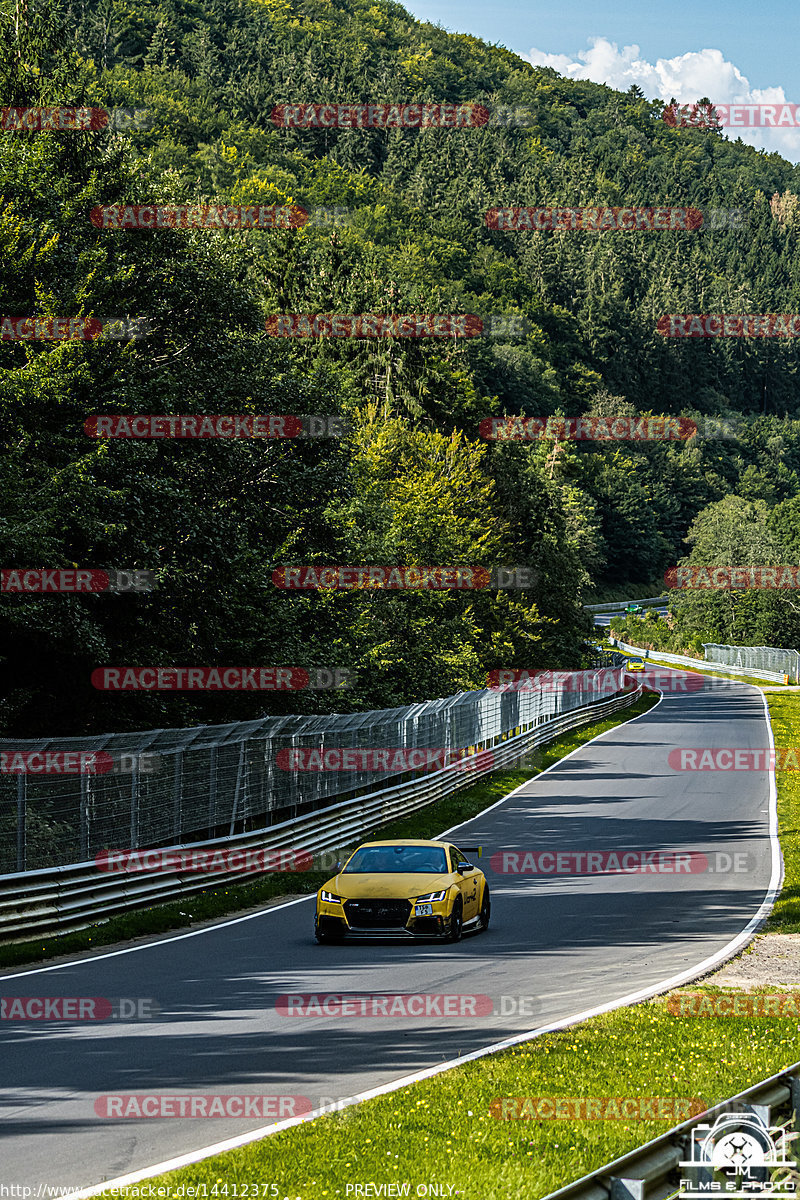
(767, 658)
(65, 800)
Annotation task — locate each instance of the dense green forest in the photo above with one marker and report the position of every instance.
(413, 482)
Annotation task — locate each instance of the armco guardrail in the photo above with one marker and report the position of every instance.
(682, 660)
(653, 1172)
(78, 895)
(619, 605)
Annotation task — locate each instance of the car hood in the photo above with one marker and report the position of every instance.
(390, 886)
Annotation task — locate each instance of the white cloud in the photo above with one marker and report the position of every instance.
(686, 77)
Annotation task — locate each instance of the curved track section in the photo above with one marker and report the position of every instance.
(574, 942)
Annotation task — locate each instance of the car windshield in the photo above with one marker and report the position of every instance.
(384, 860)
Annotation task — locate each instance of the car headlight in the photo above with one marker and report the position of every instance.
(433, 896)
(329, 897)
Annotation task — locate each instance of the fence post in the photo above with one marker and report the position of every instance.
(239, 774)
(135, 803)
(21, 820)
(85, 797)
(177, 785)
(212, 788)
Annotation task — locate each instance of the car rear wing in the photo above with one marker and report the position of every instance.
(471, 850)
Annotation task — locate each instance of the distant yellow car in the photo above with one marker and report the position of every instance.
(404, 888)
(635, 664)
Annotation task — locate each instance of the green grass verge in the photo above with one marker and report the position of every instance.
(443, 1130)
(784, 712)
(214, 903)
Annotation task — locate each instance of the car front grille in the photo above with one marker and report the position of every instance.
(377, 914)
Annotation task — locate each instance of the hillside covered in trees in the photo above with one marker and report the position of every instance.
(398, 226)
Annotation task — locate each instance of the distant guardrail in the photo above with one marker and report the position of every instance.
(618, 605)
(80, 894)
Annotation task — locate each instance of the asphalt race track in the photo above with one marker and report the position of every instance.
(573, 942)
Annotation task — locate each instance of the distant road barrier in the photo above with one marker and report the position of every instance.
(683, 660)
(619, 605)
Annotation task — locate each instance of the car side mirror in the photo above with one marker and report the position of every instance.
(462, 868)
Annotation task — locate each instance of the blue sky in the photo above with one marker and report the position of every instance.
(752, 50)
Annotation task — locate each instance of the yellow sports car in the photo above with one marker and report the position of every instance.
(635, 664)
(405, 888)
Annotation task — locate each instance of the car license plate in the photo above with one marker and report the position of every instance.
(423, 910)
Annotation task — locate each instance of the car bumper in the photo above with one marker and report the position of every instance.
(416, 927)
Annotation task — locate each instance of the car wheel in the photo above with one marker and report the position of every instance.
(456, 922)
(486, 909)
